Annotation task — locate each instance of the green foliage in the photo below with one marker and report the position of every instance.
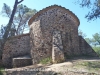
(97, 50)
(80, 32)
(95, 40)
(96, 37)
(6, 9)
(47, 60)
(91, 64)
(88, 40)
(59, 61)
(88, 66)
(1, 70)
(94, 7)
(21, 17)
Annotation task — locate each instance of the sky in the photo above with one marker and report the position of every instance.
(89, 28)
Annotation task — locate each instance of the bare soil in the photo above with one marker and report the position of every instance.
(75, 65)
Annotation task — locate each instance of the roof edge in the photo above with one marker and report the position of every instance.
(50, 7)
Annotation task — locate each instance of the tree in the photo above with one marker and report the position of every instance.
(94, 6)
(8, 27)
(95, 40)
(96, 37)
(22, 15)
(2, 30)
(21, 18)
(88, 40)
(81, 33)
(18, 18)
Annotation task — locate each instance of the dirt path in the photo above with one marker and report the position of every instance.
(71, 66)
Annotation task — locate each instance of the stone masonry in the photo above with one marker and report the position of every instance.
(48, 21)
(22, 61)
(53, 33)
(85, 48)
(15, 47)
(57, 48)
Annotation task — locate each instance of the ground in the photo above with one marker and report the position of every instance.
(75, 66)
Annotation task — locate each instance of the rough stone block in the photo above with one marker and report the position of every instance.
(57, 48)
(21, 61)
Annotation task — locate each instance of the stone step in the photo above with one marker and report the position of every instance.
(21, 61)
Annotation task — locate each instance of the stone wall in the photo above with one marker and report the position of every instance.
(15, 47)
(85, 48)
(42, 42)
(57, 48)
(41, 32)
(0, 49)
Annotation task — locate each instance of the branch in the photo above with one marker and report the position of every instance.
(20, 1)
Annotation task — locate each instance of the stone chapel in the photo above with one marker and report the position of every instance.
(53, 33)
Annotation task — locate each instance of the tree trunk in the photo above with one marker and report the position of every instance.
(8, 28)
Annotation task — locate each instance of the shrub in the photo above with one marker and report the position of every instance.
(1, 70)
(47, 60)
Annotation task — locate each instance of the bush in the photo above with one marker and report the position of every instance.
(47, 60)
(1, 70)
